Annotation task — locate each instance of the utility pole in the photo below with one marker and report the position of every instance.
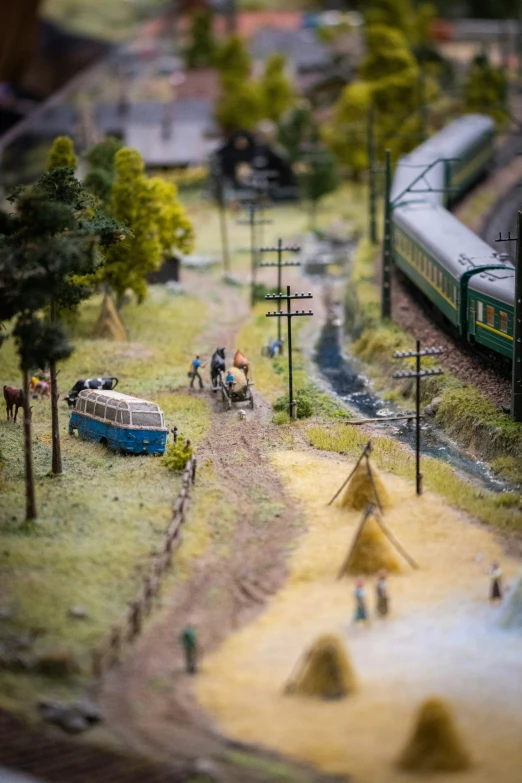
(516, 376)
(418, 373)
(289, 315)
(254, 223)
(219, 191)
(387, 243)
(280, 264)
(371, 176)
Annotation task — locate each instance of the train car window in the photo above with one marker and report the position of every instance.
(503, 322)
(480, 311)
(490, 315)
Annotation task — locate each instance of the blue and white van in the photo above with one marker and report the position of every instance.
(118, 421)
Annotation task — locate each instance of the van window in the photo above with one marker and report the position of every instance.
(111, 413)
(90, 407)
(99, 410)
(503, 322)
(146, 419)
(125, 417)
(80, 404)
(490, 315)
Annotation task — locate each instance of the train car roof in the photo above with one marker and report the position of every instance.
(446, 238)
(451, 142)
(497, 283)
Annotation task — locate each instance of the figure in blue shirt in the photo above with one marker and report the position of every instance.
(194, 373)
(230, 380)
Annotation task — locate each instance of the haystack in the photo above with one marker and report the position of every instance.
(435, 745)
(362, 488)
(325, 671)
(109, 326)
(511, 613)
(371, 551)
(239, 378)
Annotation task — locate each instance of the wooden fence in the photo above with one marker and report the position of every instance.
(130, 625)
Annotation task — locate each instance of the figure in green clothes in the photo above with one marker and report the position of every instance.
(190, 643)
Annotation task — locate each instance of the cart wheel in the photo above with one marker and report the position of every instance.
(251, 400)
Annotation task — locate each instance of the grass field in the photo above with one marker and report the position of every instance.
(99, 521)
(106, 19)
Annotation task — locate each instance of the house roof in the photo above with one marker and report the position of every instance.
(300, 46)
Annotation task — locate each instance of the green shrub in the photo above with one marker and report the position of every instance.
(312, 402)
(177, 454)
(261, 290)
(281, 417)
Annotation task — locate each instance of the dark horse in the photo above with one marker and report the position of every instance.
(14, 398)
(217, 366)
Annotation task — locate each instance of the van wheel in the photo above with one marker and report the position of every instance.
(104, 442)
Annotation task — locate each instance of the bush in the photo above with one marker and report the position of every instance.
(281, 417)
(177, 454)
(311, 402)
(261, 290)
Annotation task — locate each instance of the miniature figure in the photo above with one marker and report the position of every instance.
(194, 372)
(361, 612)
(174, 431)
(275, 348)
(383, 600)
(496, 582)
(40, 389)
(188, 639)
(230, 380)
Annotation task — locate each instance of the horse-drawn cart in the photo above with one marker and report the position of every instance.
(237, 390)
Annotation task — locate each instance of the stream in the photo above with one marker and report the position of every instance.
(345, 380)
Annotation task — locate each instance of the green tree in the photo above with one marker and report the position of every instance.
(100, 174)
(145, 206)
(202, 47)
(319, 177)
(297, 129)
(240, 104)
(232, 59)
(391, 83)
(277, 93)
(44, 246)
(486, 90)
(397, 14)
(62, 154)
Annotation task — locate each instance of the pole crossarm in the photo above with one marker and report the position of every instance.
(288, 298)
(509, 238)
(283, 263)
(418, 373)
(276, 249)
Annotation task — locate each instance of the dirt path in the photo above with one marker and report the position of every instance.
(148, 701)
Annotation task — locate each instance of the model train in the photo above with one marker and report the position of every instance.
(471, 284)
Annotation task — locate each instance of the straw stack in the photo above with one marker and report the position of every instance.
(325, 671)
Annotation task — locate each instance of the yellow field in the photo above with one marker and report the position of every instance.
(441, 639)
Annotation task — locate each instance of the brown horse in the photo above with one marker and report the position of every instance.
(242, 362)
(14, 398)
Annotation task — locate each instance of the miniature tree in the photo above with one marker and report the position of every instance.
(100, 159)
(233, 60)
(62, 154)
(486, 89)
(43, 247)
(145, 206)
(346, 135)
(319, 178)
(276, 91)
(296, 130)
(202, 47)
(240, 105)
